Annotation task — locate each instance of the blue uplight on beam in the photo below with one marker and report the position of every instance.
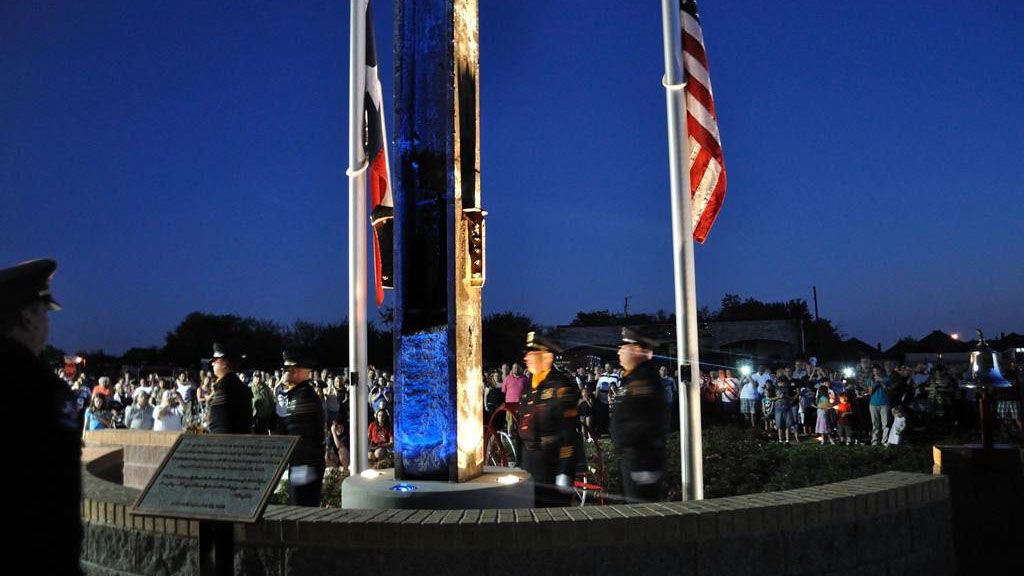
(425, 412)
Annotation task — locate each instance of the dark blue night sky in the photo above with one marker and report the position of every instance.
(190, 155)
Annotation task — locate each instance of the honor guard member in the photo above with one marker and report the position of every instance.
(547, 424)
(305, 419)
(231, 402)
(49, 462)
(639, 419)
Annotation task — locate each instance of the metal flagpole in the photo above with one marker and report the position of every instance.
(690, 445)
(357, 261)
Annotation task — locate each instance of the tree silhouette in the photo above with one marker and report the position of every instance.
(504, 335)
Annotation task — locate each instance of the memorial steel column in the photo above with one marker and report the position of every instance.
(439, 241)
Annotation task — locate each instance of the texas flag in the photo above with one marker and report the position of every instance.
(382, 207)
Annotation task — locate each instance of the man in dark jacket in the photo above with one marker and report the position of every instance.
(231, 403)
(48, 462)
(305, 419)
(547, 424)
(639, 420)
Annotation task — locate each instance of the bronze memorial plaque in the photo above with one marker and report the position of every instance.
(222, 477)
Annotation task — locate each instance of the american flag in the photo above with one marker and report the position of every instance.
(375, 146)
(707, 168)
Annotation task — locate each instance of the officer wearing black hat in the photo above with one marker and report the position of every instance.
(639, 420)
(49, 467)
(231, 402)
(305, 419)
(547, 424)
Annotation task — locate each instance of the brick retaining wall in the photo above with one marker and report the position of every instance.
(890, 523)
(144, 450)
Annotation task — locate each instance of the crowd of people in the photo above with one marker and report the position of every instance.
(871, 403)
(874, 403)
(182, 402)
(877, 404)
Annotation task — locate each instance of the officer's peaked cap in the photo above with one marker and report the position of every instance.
(26, 283)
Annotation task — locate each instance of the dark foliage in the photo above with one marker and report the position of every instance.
(738, 461)
(504, 334)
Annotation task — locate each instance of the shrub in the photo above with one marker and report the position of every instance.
(738, 461)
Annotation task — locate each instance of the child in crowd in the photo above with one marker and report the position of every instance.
(899, 424)
(806, 410)
(786, 403)
(337, 444)
(749, 401)
(585, 407)
(846, 419)
(381, 437)
(823, 424)
(768, 406)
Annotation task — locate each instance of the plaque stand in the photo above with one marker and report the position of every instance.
(218, 480)
(216, 548)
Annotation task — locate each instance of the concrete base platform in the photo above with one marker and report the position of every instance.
(384, 492)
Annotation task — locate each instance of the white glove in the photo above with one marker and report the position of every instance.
(301, 475)
(563, 482)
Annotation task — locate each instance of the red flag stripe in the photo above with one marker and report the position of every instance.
(378, 285)
(702, 94)
(700, 232)
(697, 167)
(693, 47)
(701, 114)
(706, 139)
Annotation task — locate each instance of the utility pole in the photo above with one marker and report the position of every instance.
(814, 289)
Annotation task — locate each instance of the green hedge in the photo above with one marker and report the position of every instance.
(330, 494)
(738, 461)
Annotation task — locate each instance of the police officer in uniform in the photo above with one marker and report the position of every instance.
(547, 424)
(231, 402)
(305, 419)
(48, 463)
(639, 420)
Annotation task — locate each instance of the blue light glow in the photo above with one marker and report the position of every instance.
(403, 487)
(425, 413)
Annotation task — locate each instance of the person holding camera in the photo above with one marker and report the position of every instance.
(168, 415)
(139, 414)
(878, 385)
